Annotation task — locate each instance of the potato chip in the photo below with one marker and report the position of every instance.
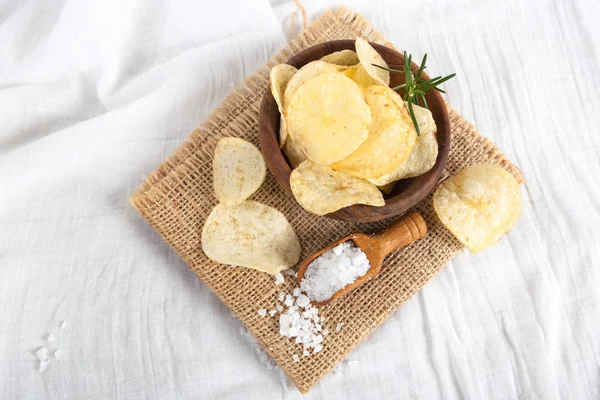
(279, 77)
(328, 118)
(369, 56)
(360, 76)
(479, 204)
(345, 58)
(423, 155)
(386, 189)
(294, 155)
(250, 235)
(238, 170)
(321, 190)
(308, 71)
(391, 139)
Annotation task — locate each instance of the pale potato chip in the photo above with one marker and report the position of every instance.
(250, 235)
(294, 155)
(238, 170)
(328, 118)
(321, 190)
(386, 189)
(345, 58)
(391, 139)
(423, 155)
(279, 77)
(369, 56)
(305, 73)
(479, 204)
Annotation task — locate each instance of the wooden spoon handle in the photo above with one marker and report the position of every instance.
(402, 232)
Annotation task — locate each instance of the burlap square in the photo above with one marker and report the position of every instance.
(177, 197)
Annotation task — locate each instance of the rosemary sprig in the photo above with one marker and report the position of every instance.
(414, 86)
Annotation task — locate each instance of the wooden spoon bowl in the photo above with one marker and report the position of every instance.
(407, 192)
(404, 231)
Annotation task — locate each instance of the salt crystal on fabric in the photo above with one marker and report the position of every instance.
(339, 326)
(281, 297)
(296, 292)
(262, 312)
(42, 353)
(272, 312)
(334, 270)
(296, 358)
(43, 365)
(279, 308)
(279, 279)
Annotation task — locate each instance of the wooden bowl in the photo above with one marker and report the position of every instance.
(406, 192)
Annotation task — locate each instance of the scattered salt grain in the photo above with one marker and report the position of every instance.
(281, 297)
(272, 312)
(63, 324)
(289, 272)
(57, 354)
(279, 279)
(305, 353)
(339, 326)
(296, 292)
(289, 301)
(262, 312)
(296, 358)
(279, 308)
(333, 270)
(42, 353)
(51, 338)
(302, 301)
(325, 332)
(43, 365)
(318, 348)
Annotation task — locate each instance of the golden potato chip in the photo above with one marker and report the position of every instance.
(279, 77)
(250, 235)
(238, 170)
(328, 118)
(345, 58)
(391, 139)
(423, 155)
(369, 56)
(360, 76)
(308, 71)
(386, 189)
(479, 204)
(321, 190)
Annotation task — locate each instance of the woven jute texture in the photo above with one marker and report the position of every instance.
(177, 197)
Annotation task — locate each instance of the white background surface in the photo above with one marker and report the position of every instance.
(93, 95)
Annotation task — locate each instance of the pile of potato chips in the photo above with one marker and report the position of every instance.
(346, 133)
(243, 232)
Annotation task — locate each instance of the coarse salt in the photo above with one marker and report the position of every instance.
(42, 353)
(296, 292)
(272, 312)
(262, 312)
(57, 354)
(325, 332)
(334, 270)
(43, 365)
(302, 301)
(339, 326)
(279, 279)
(296, 358)
(305, 353)
(51, 338)
(281, 297)
(289, 301)
(289, 272)
(63, 324)
(279, 308)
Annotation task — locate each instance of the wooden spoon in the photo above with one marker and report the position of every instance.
(401, 233)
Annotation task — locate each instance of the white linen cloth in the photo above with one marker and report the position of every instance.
(95, 94)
